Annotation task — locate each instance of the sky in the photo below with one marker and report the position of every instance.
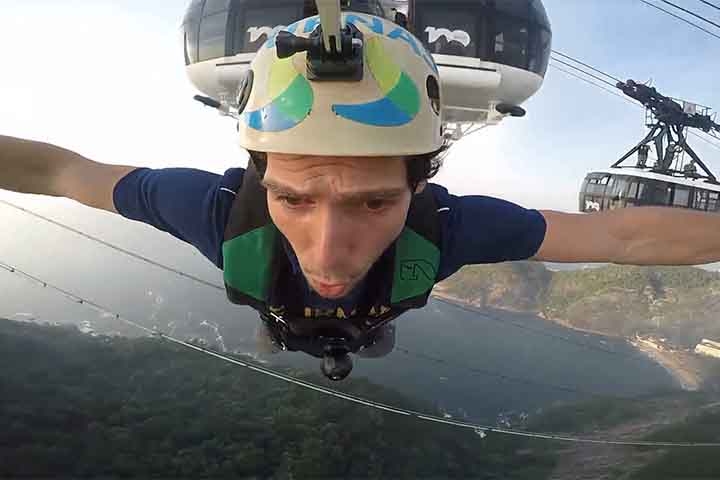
(107, 80)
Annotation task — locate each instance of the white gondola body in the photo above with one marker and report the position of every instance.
(471, 88)
(694, 193)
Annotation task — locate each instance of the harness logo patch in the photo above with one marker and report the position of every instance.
(413, 270)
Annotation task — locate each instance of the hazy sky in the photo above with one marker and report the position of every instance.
(107, 80)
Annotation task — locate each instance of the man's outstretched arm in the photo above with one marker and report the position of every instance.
(632, 236)
(28, 166)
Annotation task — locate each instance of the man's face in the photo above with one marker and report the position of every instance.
(338, 213)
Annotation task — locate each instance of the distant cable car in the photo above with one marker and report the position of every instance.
(492, 54)
(673, 180)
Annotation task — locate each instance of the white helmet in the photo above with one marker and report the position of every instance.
(394, 110)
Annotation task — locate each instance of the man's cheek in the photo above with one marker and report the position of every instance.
(277, 215)
(283, 224)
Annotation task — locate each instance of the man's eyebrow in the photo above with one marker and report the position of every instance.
(279, 188)
(276, 187)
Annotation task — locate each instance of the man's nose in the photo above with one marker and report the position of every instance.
(334, 239)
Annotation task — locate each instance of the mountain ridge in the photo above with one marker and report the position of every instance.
(615, 300)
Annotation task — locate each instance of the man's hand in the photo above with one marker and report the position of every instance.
(632, 236)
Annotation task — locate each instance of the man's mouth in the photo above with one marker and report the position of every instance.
(329, 290)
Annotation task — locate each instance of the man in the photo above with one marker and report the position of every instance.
(333, 229)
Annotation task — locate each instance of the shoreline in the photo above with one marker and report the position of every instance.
(464, 303)
(687, 379)
(671, 362)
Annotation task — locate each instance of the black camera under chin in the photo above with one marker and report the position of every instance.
(336, 363)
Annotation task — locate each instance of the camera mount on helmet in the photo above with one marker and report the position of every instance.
(324, 61)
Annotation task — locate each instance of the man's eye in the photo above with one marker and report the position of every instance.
(376, 204)
(291, 201)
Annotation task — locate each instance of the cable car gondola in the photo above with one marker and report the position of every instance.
(221, 37)
(492, 55)
(677, 178)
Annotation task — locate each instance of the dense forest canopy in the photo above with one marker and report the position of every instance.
(73, 404)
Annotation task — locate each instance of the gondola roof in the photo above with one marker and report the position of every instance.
(639, 173)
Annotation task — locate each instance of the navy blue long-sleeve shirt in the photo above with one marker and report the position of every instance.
(194, 205)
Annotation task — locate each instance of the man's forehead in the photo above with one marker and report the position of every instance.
(344, 176)
(364, 191)
(299, 159)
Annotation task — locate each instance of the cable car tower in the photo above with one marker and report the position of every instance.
(669, 120)
(677, 178)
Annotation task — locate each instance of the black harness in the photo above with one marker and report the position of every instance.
(400, 280)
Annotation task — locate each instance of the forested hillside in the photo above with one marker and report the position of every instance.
(72, 404)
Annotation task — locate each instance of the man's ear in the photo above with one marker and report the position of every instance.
(421, 187)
